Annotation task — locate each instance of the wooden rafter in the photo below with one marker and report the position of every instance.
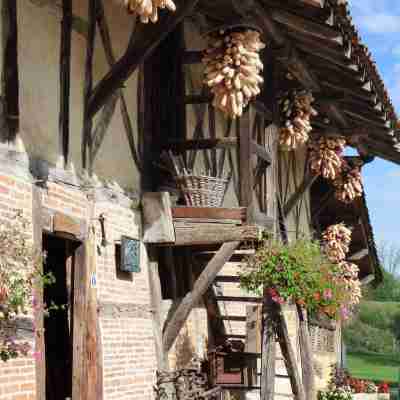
(201, 285)
(65, 78)
(148, 38)
(10, 78)
(87, 120)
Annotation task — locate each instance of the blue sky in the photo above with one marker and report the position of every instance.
(378, 22)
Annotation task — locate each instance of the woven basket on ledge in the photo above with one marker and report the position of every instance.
(202, 191)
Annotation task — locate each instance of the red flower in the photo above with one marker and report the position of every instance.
(317, 296)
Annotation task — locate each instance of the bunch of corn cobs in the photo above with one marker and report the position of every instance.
(233, 69)
(148, 9)
(348, 185)
(296, 112)
(326, 157)
(337, 240)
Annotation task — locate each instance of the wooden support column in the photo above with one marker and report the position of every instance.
(87, 118)
(65, 78)
(268, 352)
(306, 354)
(156, 302)
(40, 365)
(201, 285)
(245, 167)
(10, 73)
(288, 354)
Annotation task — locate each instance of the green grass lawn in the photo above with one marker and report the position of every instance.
(376, 367)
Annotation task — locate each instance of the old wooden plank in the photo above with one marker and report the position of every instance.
(306, 354)
(288, 354)
(99, 357)
(200, 144)
(308, 181)
(103, 124)
(65, 79)
(40, 363)
(87, 90)
(240, 299)
(147, 40)
(157, 216)
(79, 325)
(209, 213)
(198, 234)
(91, 349)
(201, 285)
(10, 78)
(260, 151)
(156, 302)
(67, 224)
(268, 360)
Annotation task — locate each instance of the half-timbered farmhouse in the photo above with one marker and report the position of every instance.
(147, 188)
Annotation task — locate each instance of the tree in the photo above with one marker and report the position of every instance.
(389, 256)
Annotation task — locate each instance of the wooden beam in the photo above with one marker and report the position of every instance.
(201, 144)
(109, 52)
(260, 151)
(40, 363)
(308, 180)
(193, 234)
(10, 71)
(157, 218)
(209, 213)
(306, 354)
(359, 255)
(147, 40)
(268, 368)
(65, 79)
(201, 285)
(103, 124)
(87, 118)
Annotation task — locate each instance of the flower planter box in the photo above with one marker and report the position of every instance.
(371, 396)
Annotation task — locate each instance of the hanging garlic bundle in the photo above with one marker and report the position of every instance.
(337, 240)
(232, 69)
(348, 184)
(148, 9)
(296, 112)
(326, 157)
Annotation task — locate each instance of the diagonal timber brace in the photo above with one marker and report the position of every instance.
(148, 38)
(201, 285)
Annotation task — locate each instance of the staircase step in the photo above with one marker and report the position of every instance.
(234, 336)
(241, 299)
(227, 279)
(232, 318)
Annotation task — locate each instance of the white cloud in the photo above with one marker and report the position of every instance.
(380, 23)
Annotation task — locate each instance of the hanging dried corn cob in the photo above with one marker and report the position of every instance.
(348, 184)
(148, 9)
(232, 69)
(326, 157)
(296, 112)
(336, 240)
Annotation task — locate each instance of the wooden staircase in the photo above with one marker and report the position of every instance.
(232, 302)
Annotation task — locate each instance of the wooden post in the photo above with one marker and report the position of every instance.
(91, 368)
(306, 357)
(38, 312)
(288, 354)
(65, 77)
(201, 285)
(245, 167)
(87, 119)
(268, 352)
(10, 73)
(156, 301)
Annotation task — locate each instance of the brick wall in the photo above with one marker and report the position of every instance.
(129, 359)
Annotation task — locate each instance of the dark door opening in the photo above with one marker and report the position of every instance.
(58, 324)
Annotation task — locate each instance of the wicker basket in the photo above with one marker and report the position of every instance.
(202, 191)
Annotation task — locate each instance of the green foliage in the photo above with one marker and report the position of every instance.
(376, 367)
(388, 290)
(298, 272)
(335, 394)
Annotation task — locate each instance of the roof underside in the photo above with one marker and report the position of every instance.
(319, 45)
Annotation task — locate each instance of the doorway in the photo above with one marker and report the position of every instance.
(59, 261)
